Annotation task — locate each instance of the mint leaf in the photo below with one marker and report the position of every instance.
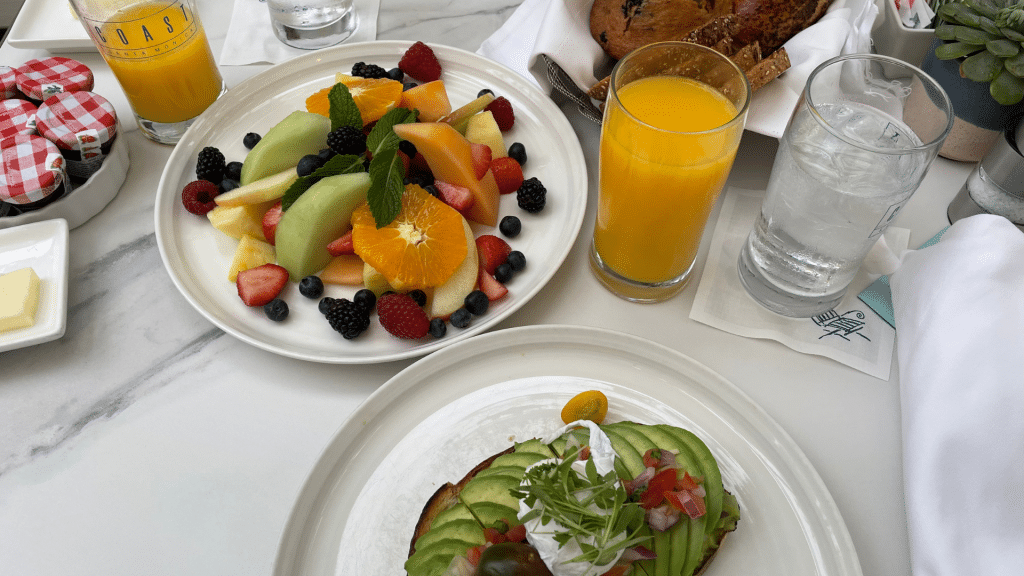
(382, 137)
(346, 164)
(343, 109)
(386, 188)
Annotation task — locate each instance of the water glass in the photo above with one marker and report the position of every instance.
(672, 124)
(856, 148)
(159, 54)
(312, 24)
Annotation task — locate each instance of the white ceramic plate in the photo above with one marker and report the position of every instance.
(50, 25)
(439, 417)
(197, 256)
(43, 246)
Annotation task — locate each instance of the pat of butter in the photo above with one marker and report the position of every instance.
(19, 297)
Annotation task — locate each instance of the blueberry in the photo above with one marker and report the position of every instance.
(408, 85)
(518, 153)
(326, 154)
(484, 91)
(233, 171)
(251, 139)
(325, 304)
(432, 190)
(438, 328)
(311, 287)
(365, 299)
(308, 164)
(276, 309)
(461, 318)
(503, 273)
(419, 296)
(227, 185)
(516, 260)
(396, 74)
(510, 226)
(408, 148)
(477, 303)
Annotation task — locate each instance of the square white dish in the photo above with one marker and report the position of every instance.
(50, 25)
(43, 246)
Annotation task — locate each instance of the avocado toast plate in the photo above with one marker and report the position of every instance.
(441, 416)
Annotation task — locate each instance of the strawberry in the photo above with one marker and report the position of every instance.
(458, 197)
(501, 108)
(259, 285)
(481, 159)
(508, 173)
(402, 317)
(488, 285)
(197, 197)
(420, 62)
(270, 219)
(342, 245)
(493, 251)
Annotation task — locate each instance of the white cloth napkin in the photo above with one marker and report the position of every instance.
(851, 334)
(960, 318)
(560, 29)
(250, 38)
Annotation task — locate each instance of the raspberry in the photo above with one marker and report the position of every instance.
(507, 173)
(531, 196)
(364, 70)
(501, 108)
(197, 196)
(347, 140)
(210, 165)
(420, 62)
(402, 317)
(348, 318)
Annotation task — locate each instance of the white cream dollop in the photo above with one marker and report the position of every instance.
(542, 537)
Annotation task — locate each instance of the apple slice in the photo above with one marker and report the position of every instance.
(451, 295)
(483, 129)
(459, 117)
(262, 190)
(299, 134)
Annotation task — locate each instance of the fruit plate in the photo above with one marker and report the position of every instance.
(197, 256)
(439, 417)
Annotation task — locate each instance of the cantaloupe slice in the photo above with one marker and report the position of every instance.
(431, 99)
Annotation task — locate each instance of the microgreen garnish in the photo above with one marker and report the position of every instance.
(341, 164)
(386, 170)
(343, 109)
(591, 508)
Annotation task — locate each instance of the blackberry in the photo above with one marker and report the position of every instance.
(276, 309)
(396, 74)
(510, 226)
(325, 304)
(503, 273)
(347, 140)
(311, 287)
(461, 318)
(364, 70)
(347, 318)
(308, 164)
(518, 153)
(233, 171)
(532, 195)
(408, 147)
(484, 91)
(251, 140)
(477, 303)
(365, 299)
(419, 296)
(227, 185)
(438, 328)
(210, 165)
(516, 260)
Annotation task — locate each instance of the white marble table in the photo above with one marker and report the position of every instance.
(147, 441)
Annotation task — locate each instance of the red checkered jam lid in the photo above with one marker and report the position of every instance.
(17, 117)
(72, 119)
(33, 168)
(43, 77)
(8, 83)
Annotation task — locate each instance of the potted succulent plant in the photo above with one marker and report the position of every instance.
(978, 57)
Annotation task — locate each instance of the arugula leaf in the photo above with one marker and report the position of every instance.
(341, 164)
(343, 109)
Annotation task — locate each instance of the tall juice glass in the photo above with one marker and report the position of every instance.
(672, 123)
(158, 51)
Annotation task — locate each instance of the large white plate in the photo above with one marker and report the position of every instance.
(51, 25)
(436, 419)
(42, 246)
(197, 256)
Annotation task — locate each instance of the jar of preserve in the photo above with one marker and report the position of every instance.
(83, 125)
(40, 78)
(8, 83)
(32, 172)
(17, 117)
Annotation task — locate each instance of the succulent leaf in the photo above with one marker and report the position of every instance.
(1003, 48)
(1015, 65)
(982, 67)
(986, 8)
(989, 25)
(973, 35)
(954, 50)
(1012, 34)
(1007, 89)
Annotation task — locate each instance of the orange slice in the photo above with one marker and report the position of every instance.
(421, 248)
(373, 96)
(319, 104)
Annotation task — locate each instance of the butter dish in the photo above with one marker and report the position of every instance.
(42, 246)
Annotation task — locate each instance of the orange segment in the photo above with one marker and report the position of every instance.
(422, 248)
(318, 103)
(373, 96)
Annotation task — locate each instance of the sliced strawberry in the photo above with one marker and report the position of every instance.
(342, 245)
(270, 219)
(492, 251)
(259, 285)
(458, 197)
(507, 173)
(488, 285)
(481, 159)
(401, 316)
(501, 108)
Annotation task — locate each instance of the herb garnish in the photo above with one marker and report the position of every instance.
(591, 508)
(342, 108)
(346, 164)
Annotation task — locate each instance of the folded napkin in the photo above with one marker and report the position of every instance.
(560, 30)
(250, 38)
(960, 318)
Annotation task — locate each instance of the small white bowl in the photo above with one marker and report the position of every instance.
(43, 246)
(90, 197)
(891, 38)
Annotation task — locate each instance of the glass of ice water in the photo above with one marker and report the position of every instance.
(312, 24)
(856, 148)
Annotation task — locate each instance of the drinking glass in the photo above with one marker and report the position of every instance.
(312, 24)
(672, 123)
(856, 148)
(158, 51)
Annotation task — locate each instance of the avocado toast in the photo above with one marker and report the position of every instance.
(454, 520)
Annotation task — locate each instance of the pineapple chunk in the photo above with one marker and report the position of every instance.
(483, 129)
(250, 254)
(238, 221)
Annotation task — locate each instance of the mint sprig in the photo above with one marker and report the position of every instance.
(343, 109)
(386, 170)
(341, 164)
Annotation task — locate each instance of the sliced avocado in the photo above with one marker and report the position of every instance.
(631, 459)
(629, 432)
(434, 559)
(663, 544)
(495, 489)
(535, 446)
(709, 469)
(465, 530)
(501, 471)
(519, 459)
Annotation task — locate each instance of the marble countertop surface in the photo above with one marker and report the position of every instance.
(148, 441)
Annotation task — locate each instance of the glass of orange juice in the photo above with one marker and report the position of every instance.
(672, 123)
(158, 51)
